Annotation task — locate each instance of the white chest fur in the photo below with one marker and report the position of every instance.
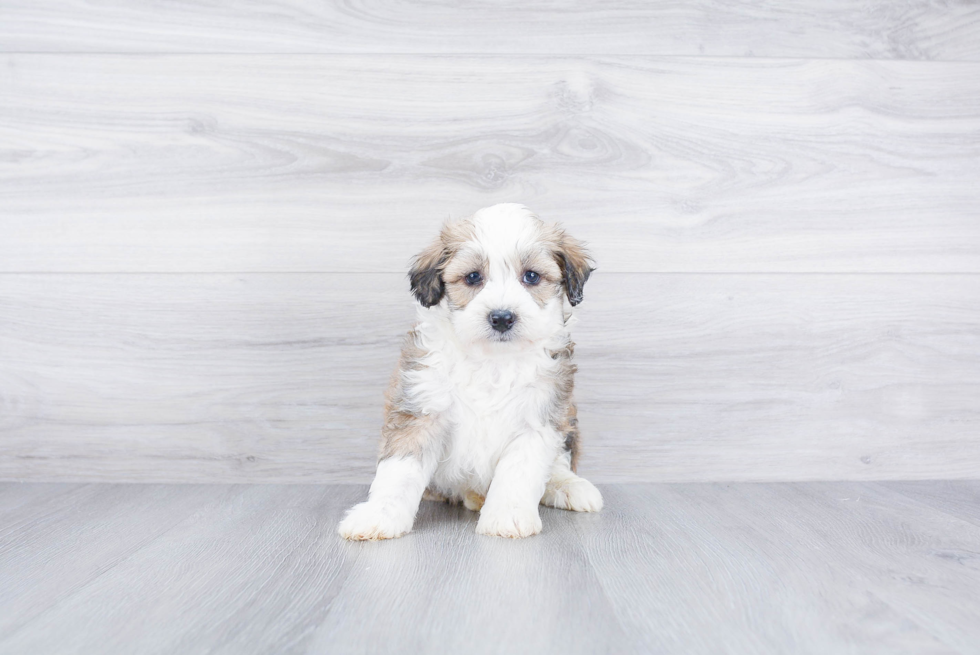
(487, 399)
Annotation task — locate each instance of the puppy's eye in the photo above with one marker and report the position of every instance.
(474, 278)
(532, 278)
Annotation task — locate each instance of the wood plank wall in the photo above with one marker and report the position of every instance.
(207, 209)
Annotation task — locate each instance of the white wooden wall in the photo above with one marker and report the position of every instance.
(207, 210)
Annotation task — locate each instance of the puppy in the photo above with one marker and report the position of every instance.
(480, 408)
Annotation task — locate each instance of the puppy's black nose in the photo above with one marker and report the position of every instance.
(501, 320)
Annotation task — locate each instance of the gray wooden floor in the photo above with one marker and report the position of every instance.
(833, 567)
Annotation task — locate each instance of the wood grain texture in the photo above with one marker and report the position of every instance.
(816, 28)
(461, 591)
(92, 527)
(840, 567)
(962, 501)
(219, 561)
(349, 163)
(816, 568)
(681, 377)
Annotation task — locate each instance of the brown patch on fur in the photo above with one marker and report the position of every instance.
(460, 294)
(406, 432)
(565, 417)
(426, 274)
(573, 260)
(464, 262)
(434, 496)
(568, 427)
(576, 268)
(473, 501)
(543, 263)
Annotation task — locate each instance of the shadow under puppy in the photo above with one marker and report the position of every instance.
(480, 409)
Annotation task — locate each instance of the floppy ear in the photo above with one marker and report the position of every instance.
(575, 265)
(426, 274)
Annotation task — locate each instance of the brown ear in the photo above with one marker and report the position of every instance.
(427, 267)
(575, 264)
(426, 273)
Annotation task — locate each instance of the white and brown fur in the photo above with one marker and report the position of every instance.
(473, 414)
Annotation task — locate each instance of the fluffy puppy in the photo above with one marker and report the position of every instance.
(480, 408)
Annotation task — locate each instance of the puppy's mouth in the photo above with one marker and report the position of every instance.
(501, 337)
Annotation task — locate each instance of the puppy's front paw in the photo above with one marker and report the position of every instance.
(575, 493)
(512, 522)
(374, 521)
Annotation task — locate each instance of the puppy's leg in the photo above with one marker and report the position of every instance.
(565, 490)
(410, 443)
(393, 500)
(511, 506)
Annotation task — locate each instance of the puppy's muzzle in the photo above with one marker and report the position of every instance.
(501, 320)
